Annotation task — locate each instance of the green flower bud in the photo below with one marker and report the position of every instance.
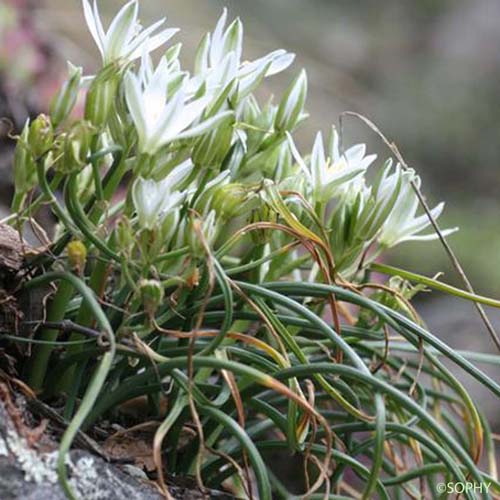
(251, 110)
(292, 104)
(41, 136)
(285, 167)
(101, 95)
(263, 162)
(212, 148)
(24, 165)
(64, 101)
(75, 147)
(77, 255)
(233, 200)
(125, 235)
(262, 214)
(169, 226)
(152, 295)
(261, 137)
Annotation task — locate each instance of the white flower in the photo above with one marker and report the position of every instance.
(373, 203)
(160, 119)
(125, 37)
(353, 157)
(387, 189)
(153, 200)
(218, 60)
(326, 174)
(402, 223)
(291, 109)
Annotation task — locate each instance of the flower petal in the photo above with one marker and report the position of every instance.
(205, 125)
(121, 30)
(318, 163)
(93, 26)
(179, 173)
(162, 130)
(297, 157)
(133, 96)
(280, 63)
(430, 237)
(150, 44)
(190, 113)
(217, 45)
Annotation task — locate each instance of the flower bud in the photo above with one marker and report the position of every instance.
(235, 159)
(212, 148)
(232, 200)
(77, 255)
(251, 110)
(262, 214)
(64, 101)
(292, 104)
(85, 183)
(284, 166)
(24, 164)
(263, 162)
(125, 235)
(101, 96)
(41, 135)
(75, 146)
(152, 295)
(169, 226)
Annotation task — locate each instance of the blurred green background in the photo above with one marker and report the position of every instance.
(426, 71)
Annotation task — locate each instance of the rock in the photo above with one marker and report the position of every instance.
(94, 480)
(18, 306)
(11, 250)
(28, 468)
(30, 474)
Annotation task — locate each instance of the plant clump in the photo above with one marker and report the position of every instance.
(200, 260)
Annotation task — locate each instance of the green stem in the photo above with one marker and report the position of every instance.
(83, 318)
(111, 182)
(83, 222)
(174, 254)
(437, 285)
(100, 374)
(58, 210)
(35, 204)
(400, 323)
(479, 357)
(37, 367)
(17, 202)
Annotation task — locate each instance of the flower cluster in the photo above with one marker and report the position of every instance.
(216, 258)
(199, 145)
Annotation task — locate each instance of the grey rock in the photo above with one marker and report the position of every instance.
(29, 473)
